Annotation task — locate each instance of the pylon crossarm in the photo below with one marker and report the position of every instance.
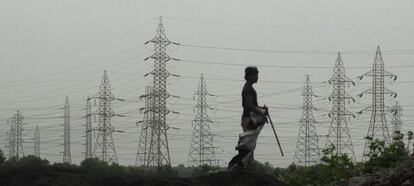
(370, 73)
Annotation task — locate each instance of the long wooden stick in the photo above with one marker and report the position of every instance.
(274, 131)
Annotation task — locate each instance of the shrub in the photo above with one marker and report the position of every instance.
(335, 167)
(2, 158)
(383, 156)
(203, 169)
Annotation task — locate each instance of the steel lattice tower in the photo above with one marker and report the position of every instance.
(144, 140)
(104, 144)
(37, 142)
(378, 128)
(66, 134)
(88, 129)
(339, 134)
(12, 139)
(307, 148)
(396, 123)
(201, 147)
(16, 136)
(159, 153)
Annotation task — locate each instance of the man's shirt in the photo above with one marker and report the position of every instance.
(248, 90)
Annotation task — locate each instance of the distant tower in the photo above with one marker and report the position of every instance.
(16, 136)
(104, 144)
(12, 139)
(88, 129)
(66, 134)
(378, 128)
(201, 148)
(307, 148)
(396, 122)
(339, 134)
(37, 142)
(144, 139)
(159, 153)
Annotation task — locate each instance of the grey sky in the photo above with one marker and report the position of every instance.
(52, 49)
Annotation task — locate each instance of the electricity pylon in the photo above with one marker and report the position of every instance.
(396, 123)
(16, 136)
(66, 134)
(147, 122)
(104, 144)
(88, 129)
(159, 153)
(307, 147)
(201, 147)
(339, 134)
(378, 128)
(37, 142)
(12, 139)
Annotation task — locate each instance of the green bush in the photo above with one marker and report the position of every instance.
(166, 171)
(335, 167)
(25, 161)
(92, 164)
(2, 158)
(298, 175)
(32, 161)
(383, 156)
(265, 167)
(203, 170)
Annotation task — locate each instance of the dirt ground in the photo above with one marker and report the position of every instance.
(237, 178)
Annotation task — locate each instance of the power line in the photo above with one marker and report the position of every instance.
(48, 93)
(45, 59)
(312, 52)
(240, 80)
(292, 27)
(10, 83)
(258, 50)
(278, 66)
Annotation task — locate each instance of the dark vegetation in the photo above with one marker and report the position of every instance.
(387, 165)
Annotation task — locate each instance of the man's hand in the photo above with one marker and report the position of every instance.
(264, 110)
(265, 113)
(265, 119)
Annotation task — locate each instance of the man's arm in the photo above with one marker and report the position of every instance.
(250, 106)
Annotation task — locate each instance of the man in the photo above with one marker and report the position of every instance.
(253, 119)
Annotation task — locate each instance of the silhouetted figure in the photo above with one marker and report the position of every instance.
(252, 121)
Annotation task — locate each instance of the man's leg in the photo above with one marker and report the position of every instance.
(245, 124)
(248, 158)
(250, 165)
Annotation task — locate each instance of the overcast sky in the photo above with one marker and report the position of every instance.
(53, 49)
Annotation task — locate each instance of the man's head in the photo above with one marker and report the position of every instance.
(251, 74)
